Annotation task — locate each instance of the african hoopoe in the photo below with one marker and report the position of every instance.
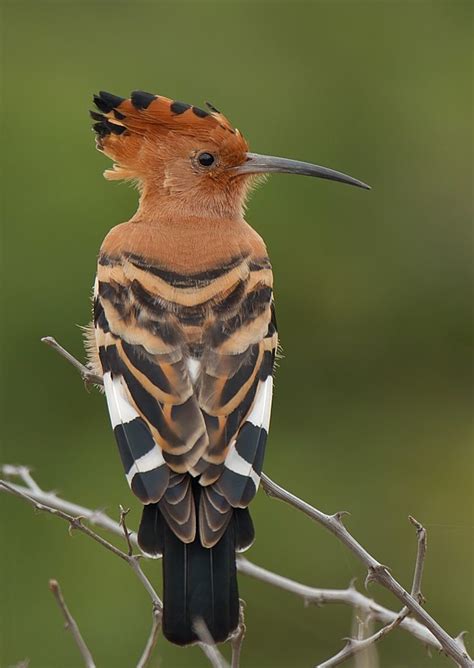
(185, 336)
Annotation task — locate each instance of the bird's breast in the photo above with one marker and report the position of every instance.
(186, 247)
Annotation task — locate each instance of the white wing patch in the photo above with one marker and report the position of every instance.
(145, 468)
(151, 460)
(234, 462)
(120, 409)
(243, 462)
(262, 406)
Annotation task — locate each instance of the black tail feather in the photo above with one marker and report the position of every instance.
(244, 531)
(150, 532)
(198, 582)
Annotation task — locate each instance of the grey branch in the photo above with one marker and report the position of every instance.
(76, 523)
(87, 375)
(123, 514)
(40, 501)
(375, 570)
(95, 517)
(71, 624)
(356, 645)
(152, 639)
(238, 638)
(349, 596)
(310, 595)
(420, 560)
(208, 645)
(50, 503)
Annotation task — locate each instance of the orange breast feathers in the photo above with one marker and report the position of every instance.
(188, 277)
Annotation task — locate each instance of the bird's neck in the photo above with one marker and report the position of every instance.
(157, 204)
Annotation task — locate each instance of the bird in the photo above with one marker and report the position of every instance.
(185, 337)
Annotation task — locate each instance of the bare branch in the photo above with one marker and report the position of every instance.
(152, 639)
(208, 645)
(363, 626)
(71, 624)
(76, 523)
(354, 646)
(24, 473)
(310, 595)
(123, 514)
(95, 517)
(376, 570)
(237, 640)
(39, 500)
(349, 596)
(87, 375)
(420, 560)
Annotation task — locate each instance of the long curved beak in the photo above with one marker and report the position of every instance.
(266, 164)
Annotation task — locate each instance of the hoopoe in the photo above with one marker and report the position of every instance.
(185, 336)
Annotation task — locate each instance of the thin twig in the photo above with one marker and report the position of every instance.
(349, 596)
(376, 570)
(354, 646)
(238, 638)
(310, 595)
(123, 514)
(76, 523)
(87, 375)
(95, 517)
(71, 624)
(102, 520)
(420, 560)
(24, 473)
(364, 626)
(208, 645)
(152, 638)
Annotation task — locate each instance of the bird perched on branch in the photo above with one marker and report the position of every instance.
(185, 336)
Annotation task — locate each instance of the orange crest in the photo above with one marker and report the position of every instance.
(145, 130)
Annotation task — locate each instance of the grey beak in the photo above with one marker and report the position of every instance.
(266, 164)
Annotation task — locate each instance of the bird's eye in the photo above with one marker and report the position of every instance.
(206, 159)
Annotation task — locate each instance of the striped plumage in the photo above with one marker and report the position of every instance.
(187, 362)
(185, 336)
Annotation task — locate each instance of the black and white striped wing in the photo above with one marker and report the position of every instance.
(142, 458)
(240, 479)
(158, 424)
(239, 408)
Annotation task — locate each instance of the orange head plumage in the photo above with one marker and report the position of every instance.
(173, 149)
(184, 159)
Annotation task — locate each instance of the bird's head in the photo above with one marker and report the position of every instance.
(183, 156)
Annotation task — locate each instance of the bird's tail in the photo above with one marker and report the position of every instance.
(198, 582)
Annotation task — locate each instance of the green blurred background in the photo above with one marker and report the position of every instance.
(372, 405)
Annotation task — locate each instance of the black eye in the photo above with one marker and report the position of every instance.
(206, 159)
